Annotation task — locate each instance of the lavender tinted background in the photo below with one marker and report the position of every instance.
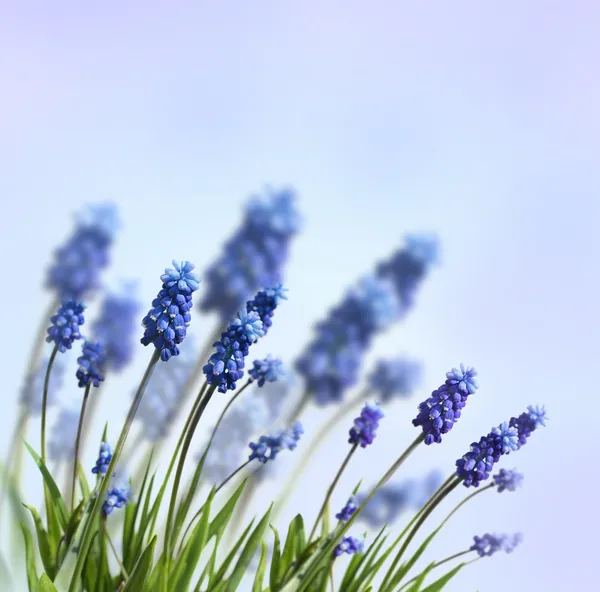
(478, 122)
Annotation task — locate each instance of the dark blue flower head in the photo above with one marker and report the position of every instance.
(350, 545)
(64, 329)
(365, 425)
(248, 326)
(508, 480)
(33, 389)
(115, 327)
(264, 304)
(78, 263)
(442, 410)
(488, 544)
(476, 465)
(267, 370)
(91, 363)
(397, 377)
(349, 509)
(117, 497)
(103, 460)
(529, 421)
(269, 446)
(255, 255)
(166, 323)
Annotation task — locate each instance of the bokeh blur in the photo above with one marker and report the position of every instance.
(478, 122)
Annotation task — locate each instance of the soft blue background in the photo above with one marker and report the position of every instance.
(477, 120)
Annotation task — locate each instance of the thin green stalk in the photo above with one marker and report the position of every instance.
(77, 443)
(331, 489)
(88, 532)
(114, 551)
(177, 480)
(45, 400)
(437, 564)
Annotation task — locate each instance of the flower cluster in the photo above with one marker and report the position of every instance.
(33, 388)
(267, 447)
(64, 328)
(91, 363)
(165, 324)
(397, 377)
(365, 425)
(103, 460)
(350, 545)
(528, 422)
(265, 302)
(255, 255)
(441, 411)
(488, 544)
(346, 512)
(267, 370)
(115, 327)
(508, 480)
(78, 263)
(117, 497)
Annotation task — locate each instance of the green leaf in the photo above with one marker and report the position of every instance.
(216, 578)
(243, 562)
(259, 578)
(32, 578)
(48, 558)
(368, 564)
(141, 571)
(46, 585)
(275, 573)
(58, 503)
(439, 584)
(420, 579)
(83, 482)
(218, 525)
(140, 535)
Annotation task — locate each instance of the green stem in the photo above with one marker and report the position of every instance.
(77, 443)
(331, 489)
(45, 401)
(437, 564)
(114, 551)
(88, 532)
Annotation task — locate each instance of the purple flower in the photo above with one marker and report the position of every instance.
(488, 544)
(103, 460)
(269, 446)
(363, 430)
(347, 511)
(267, 370)
(508, 480)
(350, 545)
(528, 422)
(397, 377)
(117, 497)
(64, 329)
(91, 363)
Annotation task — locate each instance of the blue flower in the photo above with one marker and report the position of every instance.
(350, 545)
(442, 410)
(269, 446)
(103, 460)
(528, 422)
(166, 323)
(365, 425)
(508, 480)
(61, 445)
(33, 389)
(476, 465)
(397, 377)
(91, 363)
(64, 329)
(250, 324)
(264, 304)
(267, 370)
(349, 509)
(77, 265)
(115, 328)
(488, 544)
(117, 497)
(255, 255)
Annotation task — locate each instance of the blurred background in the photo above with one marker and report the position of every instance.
(478, 122)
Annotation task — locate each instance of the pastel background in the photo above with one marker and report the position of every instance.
(478, 121)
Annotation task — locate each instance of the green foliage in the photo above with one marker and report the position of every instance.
(139, 576)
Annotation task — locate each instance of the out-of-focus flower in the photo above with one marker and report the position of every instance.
(442, 410)
(346, 512)
(64, 327)
(255, 254)
(103, 460)
(32, 392)
(78, 263)
(397, 377)
(91, 363)
(267, 370)
(488, 544)
(61, 445)
(165, 324)
(365, 425)
(508, 480)
(269, 446)
(117, 497)
(350, 545)
(115, 327)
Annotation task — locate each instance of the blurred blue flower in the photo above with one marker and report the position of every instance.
(350, 545)
(103, 460)
(255, 254)
(346, 512)
(165, 324)
(117, 497)
(33, 388)
(64, 328)
(90, 363)
(267, 370)
(269, 446)
(365, 425)
(508, 480)
(78, 263)
(396, 377)
(61, 444)
(488, 544)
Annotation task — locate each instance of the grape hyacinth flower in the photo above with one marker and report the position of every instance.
(506, 480)
(442, 410)
(488, 544)
(117, 497)
(115, 328)
(33, 388)
(64, 329)
(103, 460)
(476, 465)
(78, 263)
(528, 422)
(255, 255)
(165, 324)
(350, 545)
(61, 445)
(397, 377)
(269, 446)
(365, 425)
(265, 302)
(267, 370)
(91, 363)
(346, 512)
